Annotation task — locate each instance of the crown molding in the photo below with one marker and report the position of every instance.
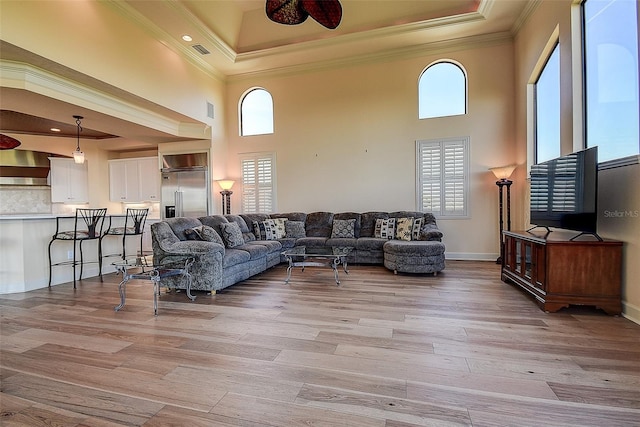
(426, 49)
(528, 10)
(393, 31)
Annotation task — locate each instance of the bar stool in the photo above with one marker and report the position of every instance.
(134, 222)
(88, 224)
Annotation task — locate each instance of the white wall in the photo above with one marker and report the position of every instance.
(345, 139)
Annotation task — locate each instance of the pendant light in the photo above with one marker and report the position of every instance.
(78, 156)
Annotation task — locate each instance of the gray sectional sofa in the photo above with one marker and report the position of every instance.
(231, 248)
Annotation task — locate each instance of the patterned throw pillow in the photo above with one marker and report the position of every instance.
(404, 228)
(259, 231)
(269, 229)
(385, 228)
(294, 229)
(231, 234)
(417, 226)
(343, 228)
(281, 231)
(208, 234)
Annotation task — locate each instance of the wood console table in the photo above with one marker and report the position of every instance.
(560, 272)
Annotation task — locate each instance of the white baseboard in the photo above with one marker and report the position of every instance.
(631, 312)
(466, 256)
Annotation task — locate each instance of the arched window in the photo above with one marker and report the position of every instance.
(442, 91)
(256, 113)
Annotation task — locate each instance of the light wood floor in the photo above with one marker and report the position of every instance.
(461, 348)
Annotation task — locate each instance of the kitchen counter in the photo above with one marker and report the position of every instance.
(24, 258)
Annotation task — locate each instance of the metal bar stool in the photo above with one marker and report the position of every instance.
(134, 222)
(88, 224)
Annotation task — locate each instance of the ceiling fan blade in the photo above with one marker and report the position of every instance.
(326, 12)
(288, 12)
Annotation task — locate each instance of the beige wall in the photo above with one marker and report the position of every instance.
(619, 189)
(345, 139)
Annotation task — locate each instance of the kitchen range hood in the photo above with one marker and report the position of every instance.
(24, 167)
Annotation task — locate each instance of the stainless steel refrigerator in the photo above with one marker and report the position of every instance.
(185, 186)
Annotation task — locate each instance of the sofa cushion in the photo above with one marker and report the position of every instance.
(235, 256)
(319, 224)
(294, 229)
(231, 234)
(350, 242)
(291, 216)
(255, 251)
(370, 244)
(311, 241)
(343, 228)
(368, 222)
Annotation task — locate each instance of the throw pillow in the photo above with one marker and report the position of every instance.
(385, 228)
(343, 228)
(193, 233)
(231, 234)
(294, 229)
(417, 226)
(208, 234)
(269, 229)
(404, 228)
(280, 229)
(259, 231)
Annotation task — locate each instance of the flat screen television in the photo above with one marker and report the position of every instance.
(564, 192)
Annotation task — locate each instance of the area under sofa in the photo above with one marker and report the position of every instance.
(232, 248)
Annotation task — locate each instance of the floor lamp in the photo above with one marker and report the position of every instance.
(503, 173)
(226, 192)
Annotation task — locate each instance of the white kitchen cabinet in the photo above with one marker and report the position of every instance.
(69, 181)
(134, 180)
(149, 175)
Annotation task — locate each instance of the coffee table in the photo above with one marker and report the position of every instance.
(145, 269)
(307, 256)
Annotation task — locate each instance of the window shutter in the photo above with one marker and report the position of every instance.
(257, 184)
(443, 177)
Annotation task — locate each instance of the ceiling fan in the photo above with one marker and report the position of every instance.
(291, 12)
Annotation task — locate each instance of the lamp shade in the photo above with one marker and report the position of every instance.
(503, 172)
(226, 184)
(78, 156)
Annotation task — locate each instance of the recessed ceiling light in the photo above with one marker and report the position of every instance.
(55, 130)
(187, 38)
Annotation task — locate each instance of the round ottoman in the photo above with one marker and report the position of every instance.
(416, 256)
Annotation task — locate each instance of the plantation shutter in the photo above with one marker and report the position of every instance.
(257, 184)
(443, 177)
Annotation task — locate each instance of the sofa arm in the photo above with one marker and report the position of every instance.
(430, 232)
(192, 247)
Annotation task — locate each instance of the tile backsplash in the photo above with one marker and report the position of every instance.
(18, 199)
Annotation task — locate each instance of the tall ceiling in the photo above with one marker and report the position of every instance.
(240, 40)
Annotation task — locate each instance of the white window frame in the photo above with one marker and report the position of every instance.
(442, 169)
(551, 147)
(250, 166)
